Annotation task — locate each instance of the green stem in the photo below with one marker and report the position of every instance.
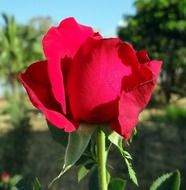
(101, 157)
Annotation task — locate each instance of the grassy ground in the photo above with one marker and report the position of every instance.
(159, 147)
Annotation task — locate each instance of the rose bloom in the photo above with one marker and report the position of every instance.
(90, 79)
(5, 176)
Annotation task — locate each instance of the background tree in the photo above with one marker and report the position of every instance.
(19, 46)
(160, 27)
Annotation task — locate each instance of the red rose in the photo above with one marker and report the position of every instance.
(5, 176)
(87, 78)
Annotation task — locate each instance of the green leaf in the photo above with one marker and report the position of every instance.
(83, 171)
(58, 134)
(117, 184)
(131, 171)
(117, 140)
(167, 181)
(77, 143)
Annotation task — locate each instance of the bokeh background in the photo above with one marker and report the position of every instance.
(26, 146)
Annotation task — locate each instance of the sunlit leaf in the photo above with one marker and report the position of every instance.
(115, 139)
(82, 173)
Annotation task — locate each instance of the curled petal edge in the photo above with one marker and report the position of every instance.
(132, 102)
(56, 118)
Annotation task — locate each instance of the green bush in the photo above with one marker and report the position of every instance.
(171, 114)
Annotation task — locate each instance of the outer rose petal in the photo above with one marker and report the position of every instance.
(60, 42)
(131, 103)
(155, 67)
(36, 82)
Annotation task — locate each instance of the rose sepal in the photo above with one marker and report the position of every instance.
(76, 146)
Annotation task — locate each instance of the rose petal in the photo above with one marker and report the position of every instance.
(140, 73)
(131, 103)
(128, 55)
(60, 42)
(36, 82)
(142, 56)
(155, 67)
(94, 80)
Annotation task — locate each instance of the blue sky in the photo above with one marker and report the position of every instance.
(103, 15)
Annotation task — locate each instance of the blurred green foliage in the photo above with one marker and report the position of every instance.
(160, 27)
(171, 114)
(19, 46)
